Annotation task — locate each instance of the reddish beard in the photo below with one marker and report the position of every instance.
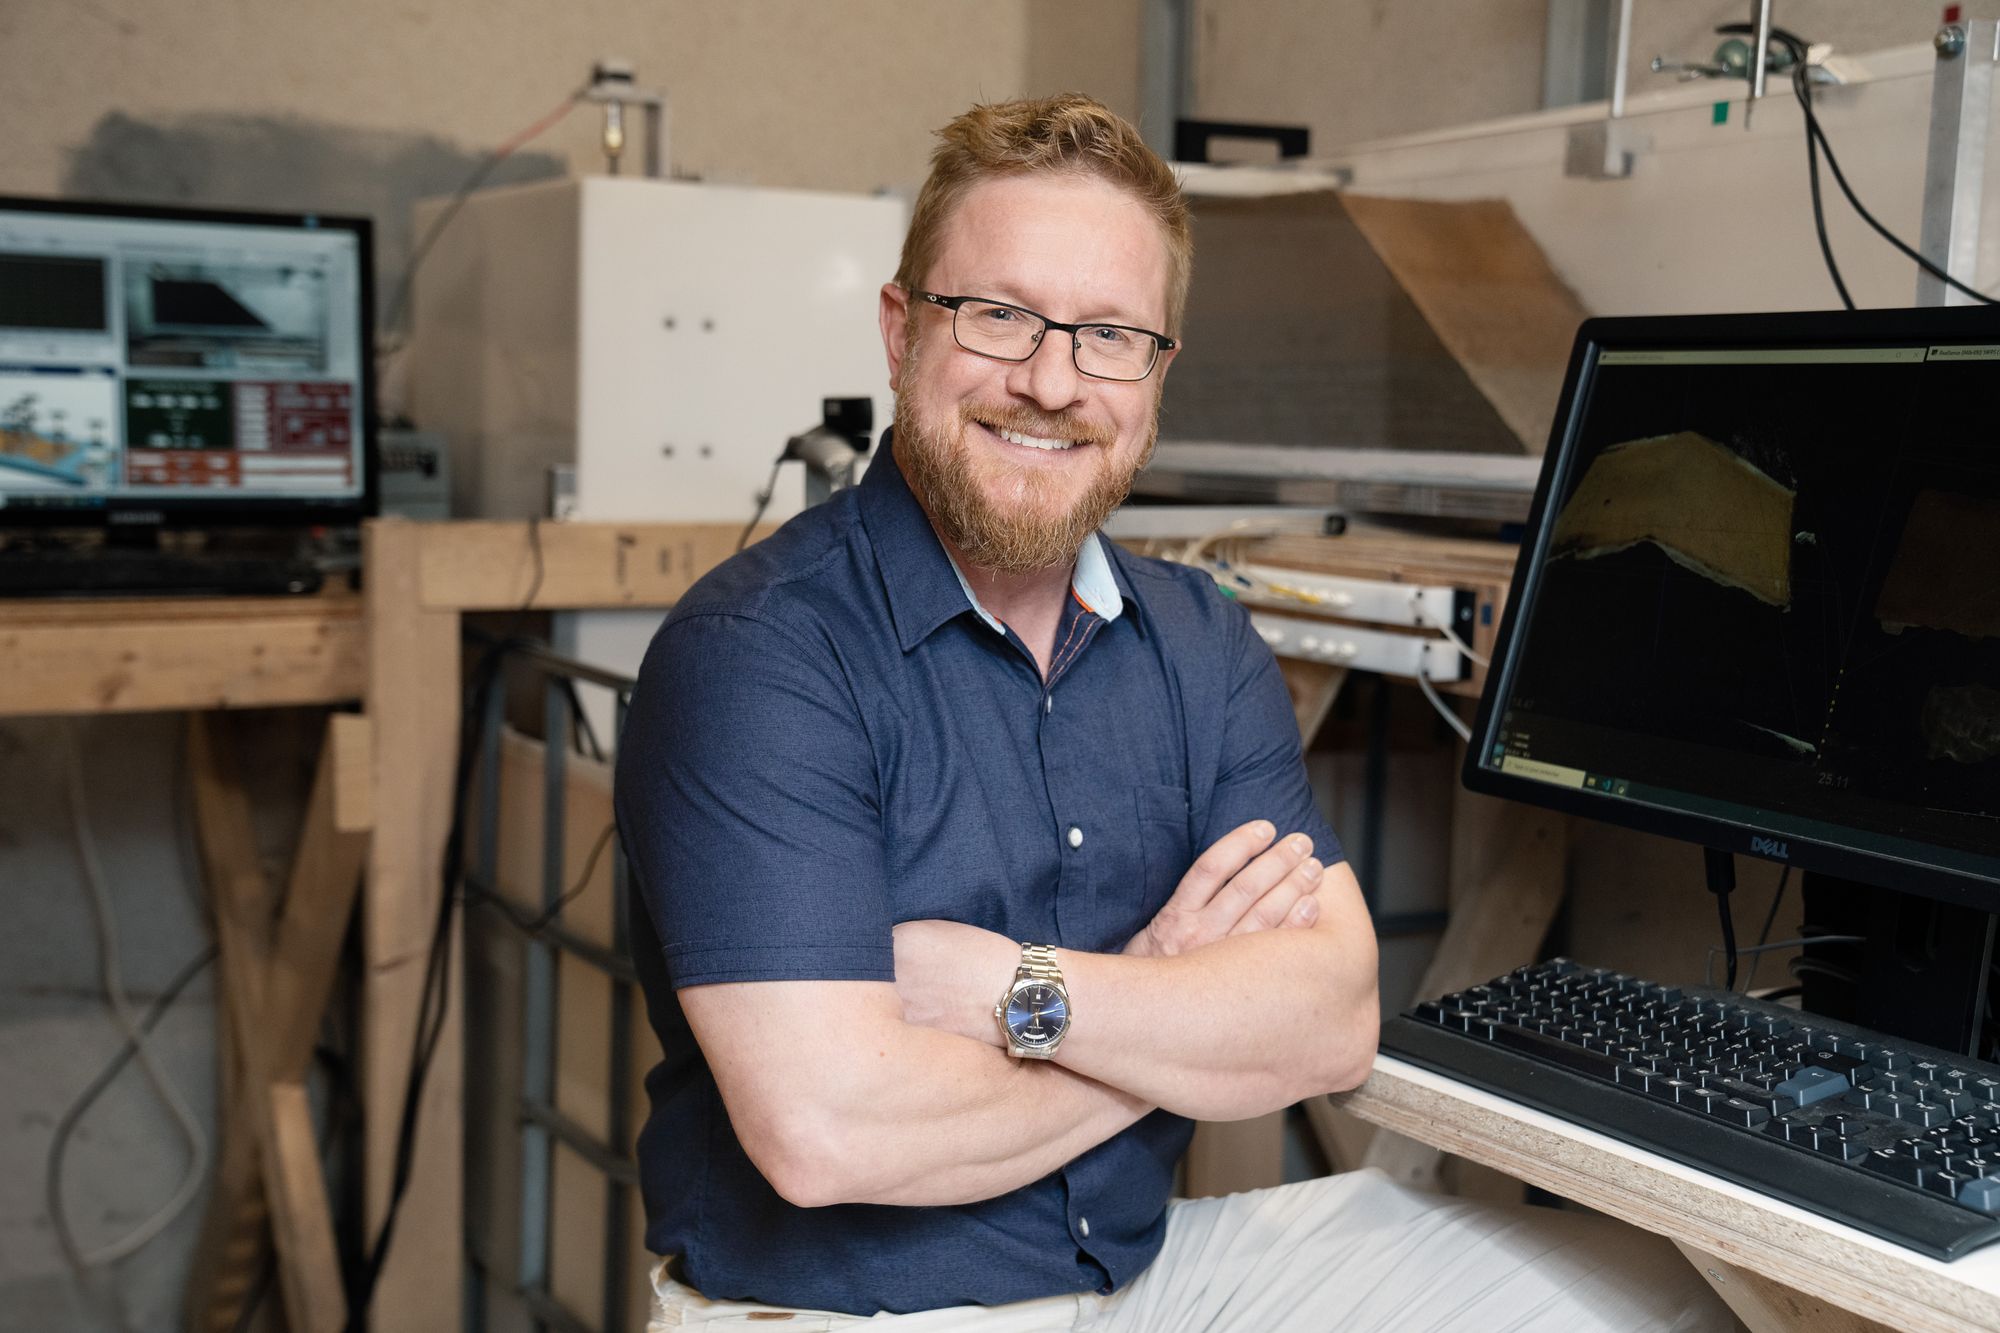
(1031, 529)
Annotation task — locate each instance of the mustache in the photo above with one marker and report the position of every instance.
(1043, 425)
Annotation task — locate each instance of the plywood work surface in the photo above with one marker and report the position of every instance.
(1823, 1259)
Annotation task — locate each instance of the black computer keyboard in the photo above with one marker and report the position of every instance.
(1899, 1140)
(111, 571)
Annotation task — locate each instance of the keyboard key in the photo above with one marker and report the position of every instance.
(1983, 1194)
(1893, 1164)
(1812, 1084)
(1947, 1182)
(1738, 1111)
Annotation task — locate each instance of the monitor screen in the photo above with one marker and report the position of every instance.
(1758, 601)
(159, 364)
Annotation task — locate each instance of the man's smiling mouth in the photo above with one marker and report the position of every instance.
(1031, 441)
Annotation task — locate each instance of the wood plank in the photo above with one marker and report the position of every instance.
(59, 657)
(270, 1018)
(495, 565)
(1765, 1306)
(413, 703)
(325, 880)
(1896, 1287)
(1498, 921)
(1314, 686)
(301, 1216)
(235, 1237)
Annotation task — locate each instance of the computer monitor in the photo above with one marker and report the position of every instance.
(1758, 600)
(167, 366)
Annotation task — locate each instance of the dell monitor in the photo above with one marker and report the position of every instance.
(166, 366)
(1758, 600)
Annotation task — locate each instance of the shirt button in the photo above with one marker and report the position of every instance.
(1083, 1225)
(1075, 836)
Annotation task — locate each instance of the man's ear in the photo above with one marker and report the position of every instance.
(893, 312)
(1167, 360)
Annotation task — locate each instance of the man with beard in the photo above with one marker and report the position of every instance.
(914, 791)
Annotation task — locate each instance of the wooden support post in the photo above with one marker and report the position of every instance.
(1766, 1306)
(1497, 922)
(413, 701)
(276, 982)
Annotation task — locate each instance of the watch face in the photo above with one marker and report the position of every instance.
(1037, 1014)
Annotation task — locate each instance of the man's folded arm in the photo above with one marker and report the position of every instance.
(837, 1099)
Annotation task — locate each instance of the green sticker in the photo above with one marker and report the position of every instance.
(1720, 115)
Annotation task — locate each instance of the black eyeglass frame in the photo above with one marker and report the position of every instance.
(1161, 342)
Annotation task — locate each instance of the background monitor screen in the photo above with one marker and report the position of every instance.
(175, 363)
(1758, 605)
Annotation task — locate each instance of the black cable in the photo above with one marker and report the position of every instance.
(1721, 869)
(1784, 877)
(763, 500)
(1801, 78)
(535, 925)
(436, 991)
(1802, 86)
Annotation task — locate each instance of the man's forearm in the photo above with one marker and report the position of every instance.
(1233, 1028)
(877, 1110)
(1237, 1028)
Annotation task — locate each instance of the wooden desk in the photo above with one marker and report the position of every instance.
(168, 654)
(1778, 1266)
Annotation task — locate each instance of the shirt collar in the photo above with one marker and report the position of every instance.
(924, 585)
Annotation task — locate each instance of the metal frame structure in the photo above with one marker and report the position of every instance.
(545, 939)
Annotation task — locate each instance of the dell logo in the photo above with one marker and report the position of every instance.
(1769, 847)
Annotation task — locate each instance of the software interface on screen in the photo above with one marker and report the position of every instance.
(1767, 589)
(147, 359)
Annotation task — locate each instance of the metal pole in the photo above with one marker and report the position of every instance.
(1760, 43)
(1621, 47)
(1955, 164)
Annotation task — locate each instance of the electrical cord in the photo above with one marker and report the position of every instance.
(1451, 719)
(111, 980)
(535, 925)
(435, 1000)
(1802, 89)
(66, 1125)
(1784, 877)
(1720, 867)
(1708, 972)
(472, 183)
(763, 500)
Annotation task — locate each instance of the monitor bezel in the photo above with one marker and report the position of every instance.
(1829, 328)
(126, 513)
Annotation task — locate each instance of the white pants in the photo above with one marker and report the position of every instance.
(1353, 1252)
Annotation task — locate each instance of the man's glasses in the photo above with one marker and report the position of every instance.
(1012, 333)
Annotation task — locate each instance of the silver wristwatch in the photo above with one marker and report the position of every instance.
(1034, 1013)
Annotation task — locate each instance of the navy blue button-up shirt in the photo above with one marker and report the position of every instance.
(829, 737)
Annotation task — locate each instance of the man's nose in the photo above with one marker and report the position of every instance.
(1049, 377)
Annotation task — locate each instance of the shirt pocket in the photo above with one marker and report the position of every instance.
(1165, 845)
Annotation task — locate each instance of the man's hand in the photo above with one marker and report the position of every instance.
(1242, 883)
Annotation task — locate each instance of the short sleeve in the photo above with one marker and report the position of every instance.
(1262, 773)
(748, 805)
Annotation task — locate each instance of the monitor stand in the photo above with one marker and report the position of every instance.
(1918, 975)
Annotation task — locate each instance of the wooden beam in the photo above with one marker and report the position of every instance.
(275, 989)
(1314, 686)
(413, 702)
(1765, 1306)
(501, 566)
(108, 657)
(1498, 920)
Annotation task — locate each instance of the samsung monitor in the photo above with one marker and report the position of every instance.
(1758, 600)
(167, 366)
